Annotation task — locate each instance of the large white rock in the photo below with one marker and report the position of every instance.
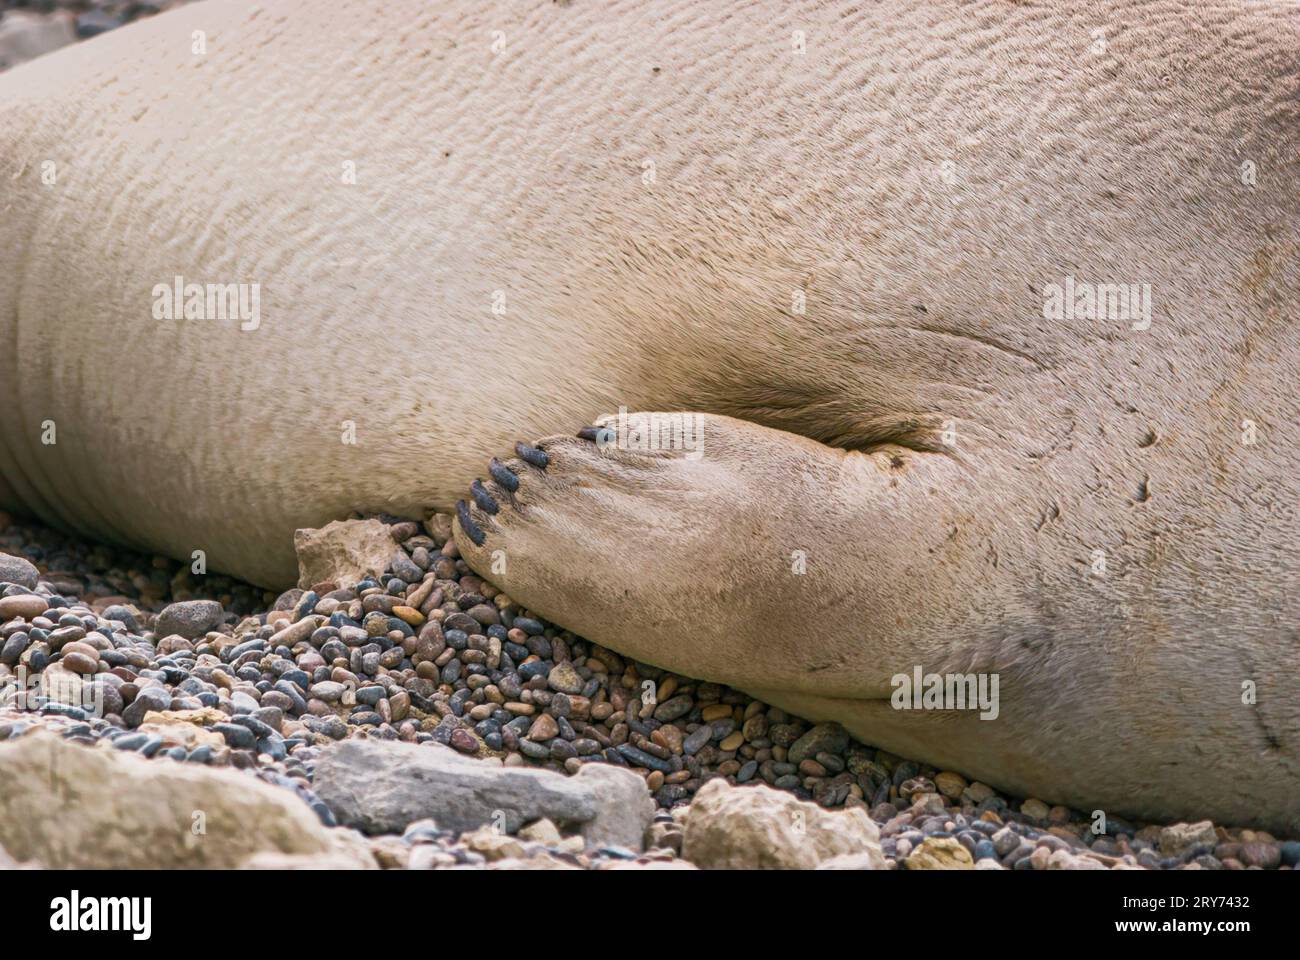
(66, 805)
(381, 786)
(757, 827)
(343, 552)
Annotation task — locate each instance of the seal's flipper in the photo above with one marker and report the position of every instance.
(732, 552)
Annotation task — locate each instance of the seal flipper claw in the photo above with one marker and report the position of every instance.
(467, 524)
(503, 476)
(482, 497)
(600, 436)
(534, 455)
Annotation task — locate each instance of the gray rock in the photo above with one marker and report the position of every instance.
(405, 569)
(273, 717)
(1005, 840)
(824, 738)
(381, 787)
(241, 702)
(13, 648)
(673, 709)
(26, 36)
(331, 691)
(123, 615)
(94, 22)
(696, 741)
(189, 618)
(17, 570)
(149, 698)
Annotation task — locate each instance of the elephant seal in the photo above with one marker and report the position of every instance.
(973, 326)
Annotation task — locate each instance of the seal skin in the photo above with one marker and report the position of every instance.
(830, 230)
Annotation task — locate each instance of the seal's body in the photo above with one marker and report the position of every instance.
(987, 310)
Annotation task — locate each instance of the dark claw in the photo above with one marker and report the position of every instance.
(482, 497)
(534, 455)
(597, 435)
(505, 479)
(468, 525)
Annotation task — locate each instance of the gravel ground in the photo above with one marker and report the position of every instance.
(431, 653)
(93, 16)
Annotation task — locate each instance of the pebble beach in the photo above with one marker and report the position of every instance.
(327, 691)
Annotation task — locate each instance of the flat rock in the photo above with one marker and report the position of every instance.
(343, 552)
(382, 786)
(753, 827)
(71, 806)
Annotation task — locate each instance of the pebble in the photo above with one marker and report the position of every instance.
(823, 738)
(464, 741)
(18, 570)
(543, 728)
(950, 784)
(80, 662)
(674, 708)
(27, 606)
(565, 679)
(1034, 809)
(697, 740)
(190, 619)
(146, 700)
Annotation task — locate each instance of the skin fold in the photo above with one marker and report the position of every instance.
(832, 231)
